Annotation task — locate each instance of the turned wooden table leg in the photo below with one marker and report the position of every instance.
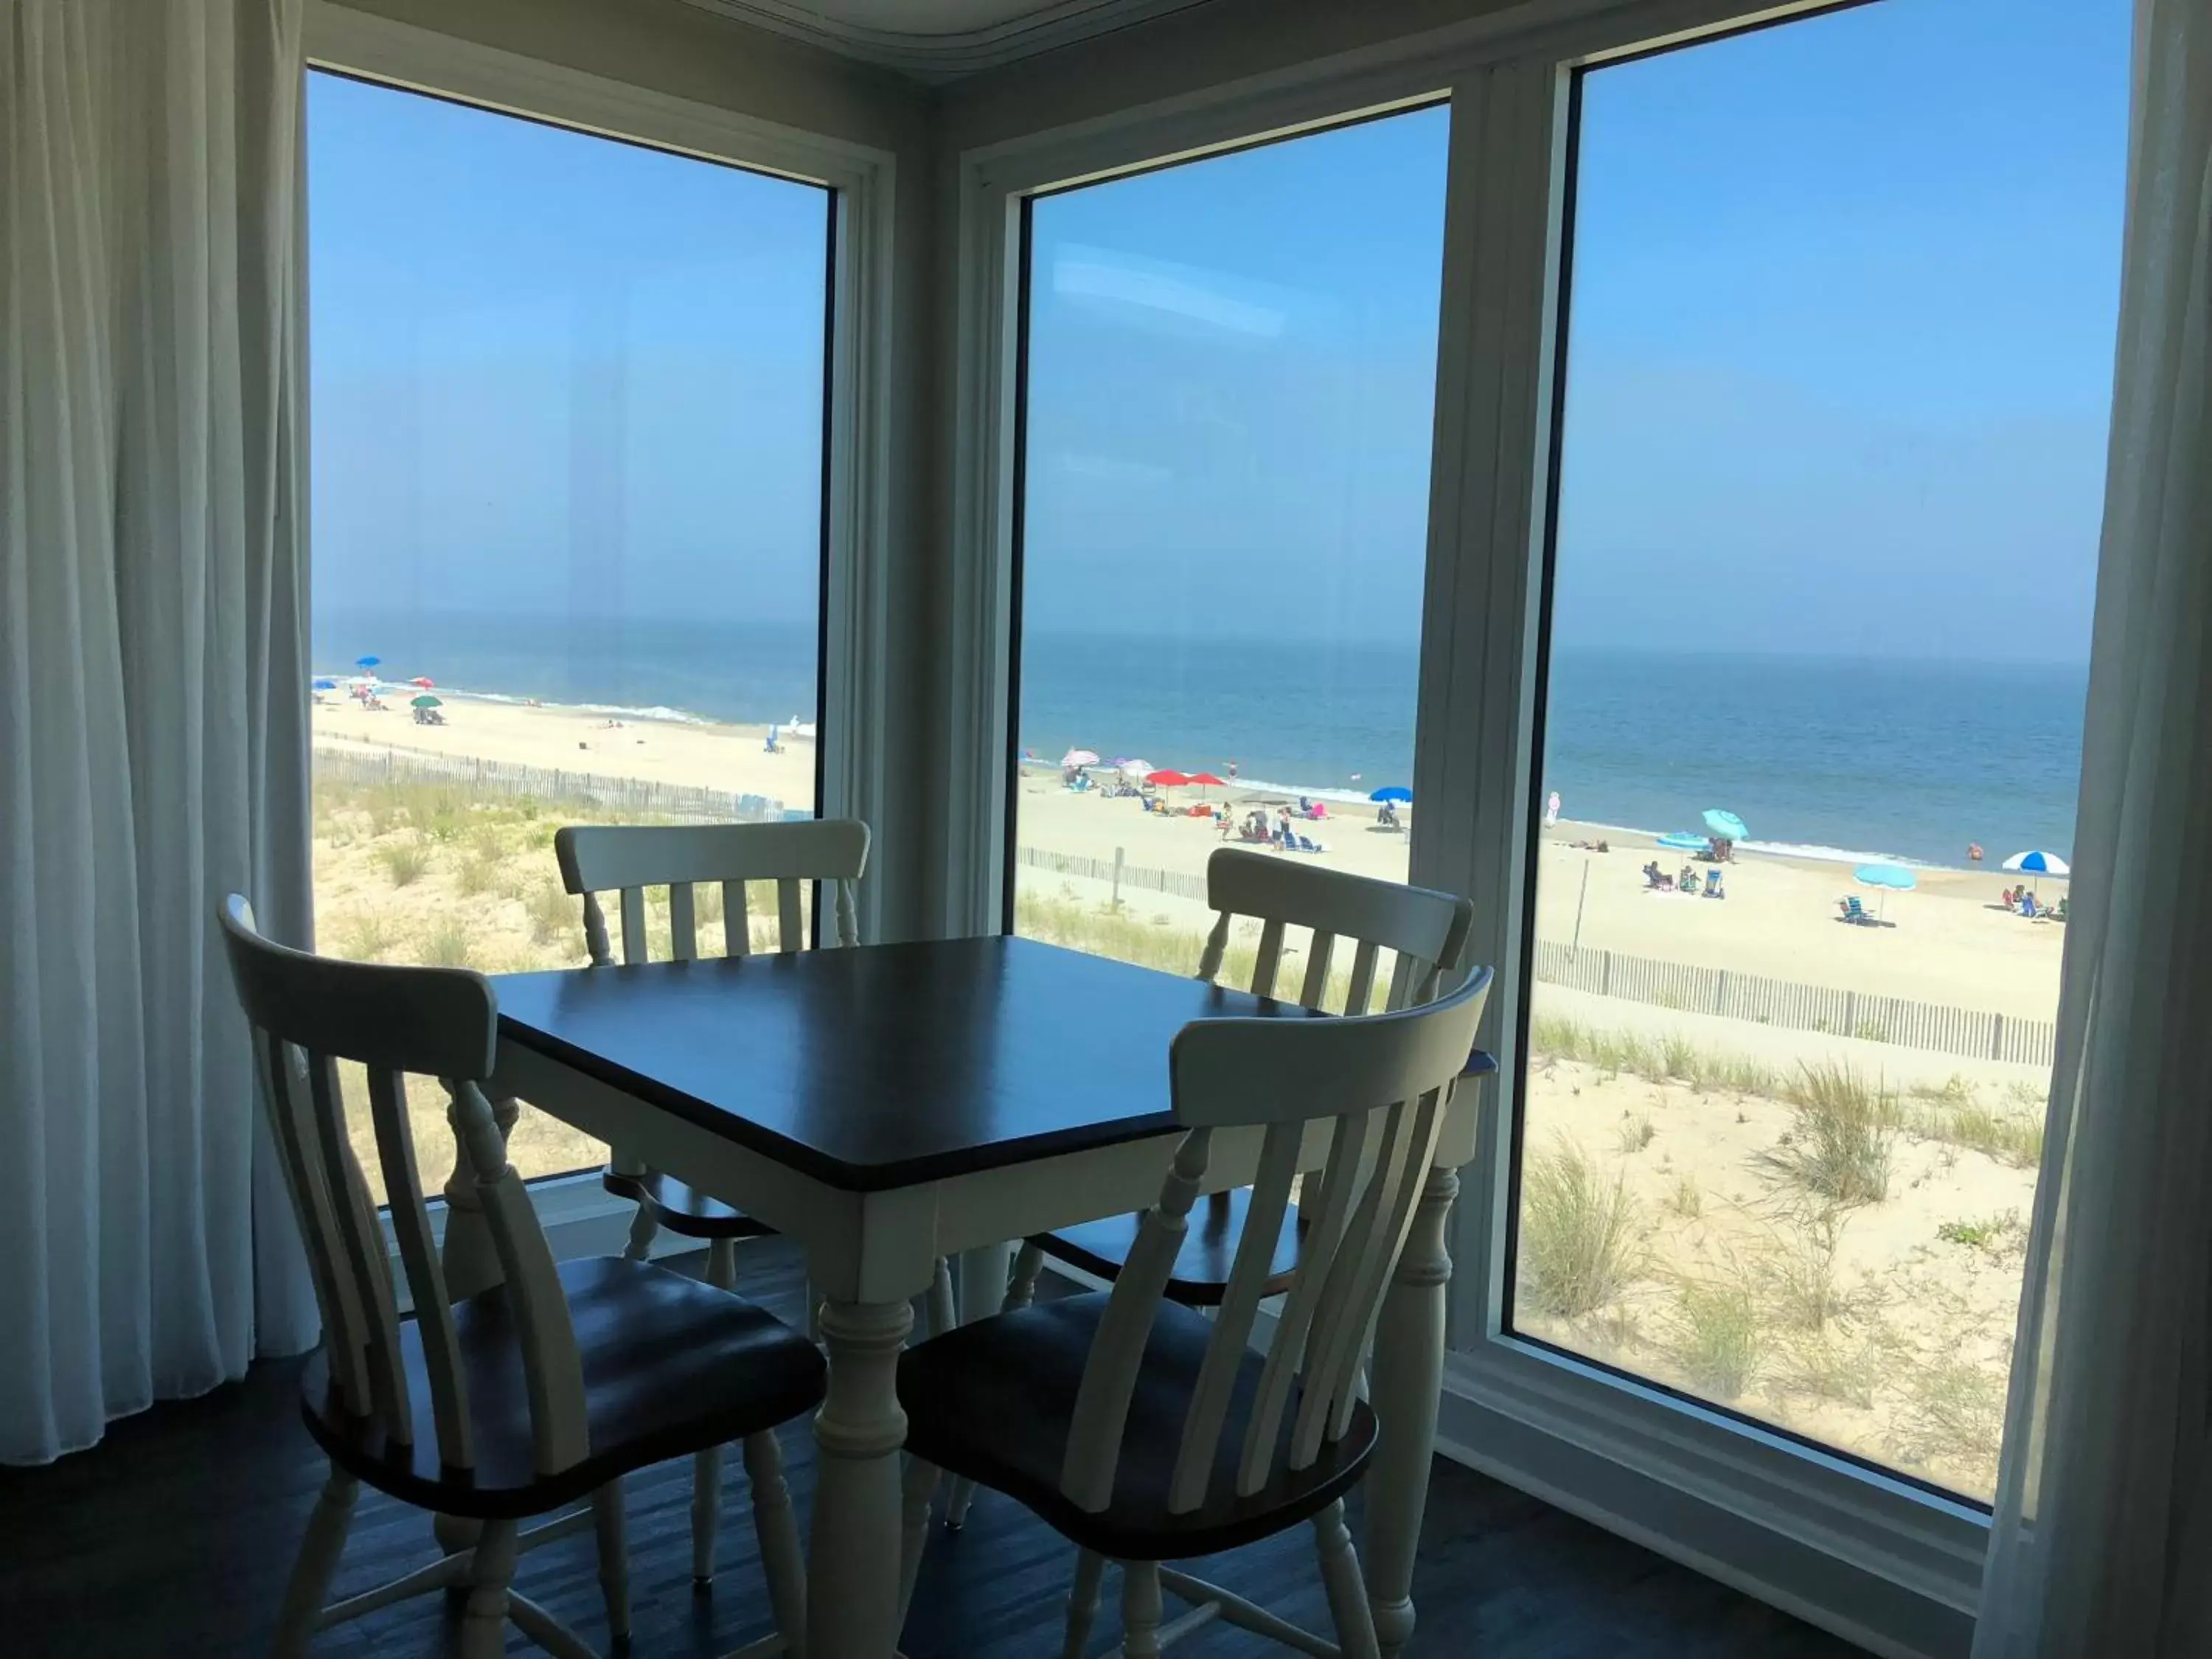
(471, 1265)
(1407, 1379)
(853, 1559)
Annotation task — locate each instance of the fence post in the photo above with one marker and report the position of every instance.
(1119, 857)
(1720, 993)
(1605, 974)
(1996, 1036)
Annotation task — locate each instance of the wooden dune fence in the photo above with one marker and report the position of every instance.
(1937, 1026)
(550, 783)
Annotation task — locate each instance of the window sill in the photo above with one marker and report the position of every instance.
(1879, 1562)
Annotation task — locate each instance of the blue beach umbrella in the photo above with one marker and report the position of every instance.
(367, 662)
(2039, 864)
(1726, 825)
(1396, 792)
(1895, 876)
(1890, 877)
(325, 685)
(1683, 841)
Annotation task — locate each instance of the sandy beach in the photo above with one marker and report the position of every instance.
(732, 757)
(1878, 1318)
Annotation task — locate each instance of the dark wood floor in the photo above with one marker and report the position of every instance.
(173, 1537)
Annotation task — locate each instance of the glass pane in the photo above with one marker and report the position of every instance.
(1230, 384)
(1832, 463)
(567, 409)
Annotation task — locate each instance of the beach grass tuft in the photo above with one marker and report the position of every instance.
(1719, 1341)
(1839, 1143)
(555, 916)
(1579, 1241)
(364, 936)
(404, 861)
(448, 945)
(1685, 1198)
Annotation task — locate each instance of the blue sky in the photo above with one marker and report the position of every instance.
(1843, 310)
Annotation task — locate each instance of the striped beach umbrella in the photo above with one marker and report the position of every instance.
(2039, 863)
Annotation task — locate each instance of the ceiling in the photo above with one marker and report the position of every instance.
(939, 39)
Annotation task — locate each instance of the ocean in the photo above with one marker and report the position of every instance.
(1871, 757)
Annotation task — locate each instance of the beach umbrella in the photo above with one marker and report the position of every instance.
(1167, 778)
(367, 662)
(1889, 877)
(1133, 769)
(325, 685)
(1207, 780)
(422, 680)
(1395, 792)
(1726, 825)
(1079, 757)
(426, 701)
(1683, 841)
(2039, 864)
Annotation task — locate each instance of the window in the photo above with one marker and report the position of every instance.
(1228, 392)
(1831, 459)
(568, 400)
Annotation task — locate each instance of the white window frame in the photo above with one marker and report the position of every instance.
(1877, 1560)
(579, 1217)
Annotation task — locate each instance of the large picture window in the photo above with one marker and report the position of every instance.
(1837, 370)
(568, 411)
(1228, 391)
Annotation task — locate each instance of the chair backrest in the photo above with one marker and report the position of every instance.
(1424, 931)
(1383, 1082)
(628, 858)
(308, 1013)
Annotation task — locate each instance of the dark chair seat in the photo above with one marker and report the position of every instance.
(684, 1209)
(671, 1366)
(994, 1402)
(1200, 1275)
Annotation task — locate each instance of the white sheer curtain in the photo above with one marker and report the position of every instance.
(2103, 1541)
(152, 749)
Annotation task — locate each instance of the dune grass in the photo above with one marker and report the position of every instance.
(1580, 1240)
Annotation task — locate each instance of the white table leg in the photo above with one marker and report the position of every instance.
(1407, 1379)
(853, 1561)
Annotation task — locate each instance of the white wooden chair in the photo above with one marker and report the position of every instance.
(1424, 931)
(1145, 1432)
(628, 861)
(518, 1401)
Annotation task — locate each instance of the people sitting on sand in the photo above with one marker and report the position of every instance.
(1387, 818)
(1655, 878)
(1688, 881)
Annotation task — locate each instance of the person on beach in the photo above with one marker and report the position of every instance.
(1552, 809)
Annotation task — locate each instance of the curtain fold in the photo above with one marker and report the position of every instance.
(152, 751)
(2103, 1536)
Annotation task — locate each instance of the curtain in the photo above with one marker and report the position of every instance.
(153, 745)
(2103, 1536)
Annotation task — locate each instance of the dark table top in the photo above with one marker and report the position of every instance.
(888, 1065)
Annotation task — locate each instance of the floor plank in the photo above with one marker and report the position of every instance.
(173, 1538)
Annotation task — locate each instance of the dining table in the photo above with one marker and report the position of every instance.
(888, 1107)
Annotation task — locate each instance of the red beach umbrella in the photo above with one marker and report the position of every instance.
(1167, 778)
(422, 680)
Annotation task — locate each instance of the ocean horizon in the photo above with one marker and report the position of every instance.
(1820, 756)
